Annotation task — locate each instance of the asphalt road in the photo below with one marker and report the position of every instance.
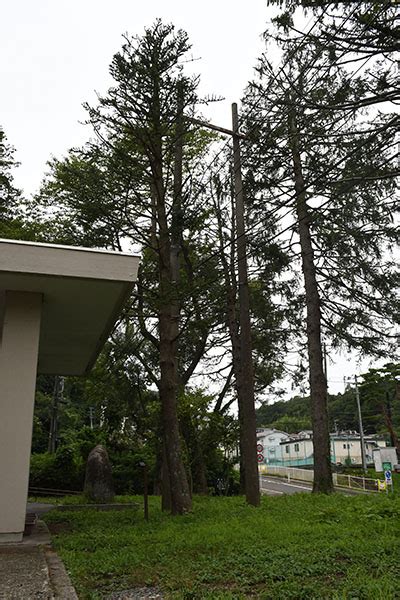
(272, 486)
(275, 487)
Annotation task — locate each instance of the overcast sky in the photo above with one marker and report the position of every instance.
(56, 53)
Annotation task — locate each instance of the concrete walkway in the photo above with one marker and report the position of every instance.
(31, 570)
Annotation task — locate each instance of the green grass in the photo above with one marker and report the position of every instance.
(78, 499)
(291, 548)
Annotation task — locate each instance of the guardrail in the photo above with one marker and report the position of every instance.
(339, 479)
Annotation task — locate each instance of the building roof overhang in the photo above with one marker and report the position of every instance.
(83, 293)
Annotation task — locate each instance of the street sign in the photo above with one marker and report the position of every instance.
(386, 466)
(388, 476)
(260, 448)
(260, 458)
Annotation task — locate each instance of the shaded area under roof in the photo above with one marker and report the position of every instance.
(83, 292)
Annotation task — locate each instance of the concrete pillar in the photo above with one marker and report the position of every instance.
(19, 343)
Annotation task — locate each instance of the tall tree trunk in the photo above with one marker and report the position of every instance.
(198, 470)
(246, 381)
(318, 385)
(180, 495)
(200, 483)
(166, 500)
(168, 328)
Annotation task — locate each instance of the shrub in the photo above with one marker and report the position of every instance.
(63, 470)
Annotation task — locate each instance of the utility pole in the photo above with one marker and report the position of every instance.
(245, 380)
(57, 394)
(360, 424)
(252, 486)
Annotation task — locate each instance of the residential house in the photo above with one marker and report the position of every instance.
(346, 448)
(270, 440)
(298, 451)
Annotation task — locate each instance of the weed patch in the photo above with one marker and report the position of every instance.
(292, 547)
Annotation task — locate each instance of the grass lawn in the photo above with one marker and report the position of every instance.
(292, 547)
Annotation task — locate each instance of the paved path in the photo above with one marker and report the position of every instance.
(40, 508)
(31, 570)
(275, 487)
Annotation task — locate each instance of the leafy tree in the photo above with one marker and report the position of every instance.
(341, 233)
(380, 400)
(136, 186)
(10, 196)
(292, 424)
(8, 193)
(16, 219)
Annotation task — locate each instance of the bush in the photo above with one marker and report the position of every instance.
(63, 470)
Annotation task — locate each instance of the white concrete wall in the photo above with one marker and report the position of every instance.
(18, 363)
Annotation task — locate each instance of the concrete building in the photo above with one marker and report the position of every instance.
(270, 440)
(298, 451)
(58, 305)
(346, 448)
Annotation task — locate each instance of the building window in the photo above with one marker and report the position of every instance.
(296, 447)
(287, 449)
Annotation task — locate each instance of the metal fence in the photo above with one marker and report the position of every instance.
(355, 483)
(288, 472)
(339, 480)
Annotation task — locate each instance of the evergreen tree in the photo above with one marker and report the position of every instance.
(9, 194)
(136, 185)
(343, 163)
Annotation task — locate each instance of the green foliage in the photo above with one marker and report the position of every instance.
(16, 221)
(9, 194)
(348, 164)
(324, 548)
(292, 424)
(64, 470)
(378, 388)
(380, 397)
(296, 408)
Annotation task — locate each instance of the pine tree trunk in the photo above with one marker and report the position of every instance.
(179, 488)
(199, 470)
(318, 385)
(168, 391)
(166, 502)
(246, 381)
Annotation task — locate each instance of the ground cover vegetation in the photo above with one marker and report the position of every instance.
(324, 547)
(320, 160)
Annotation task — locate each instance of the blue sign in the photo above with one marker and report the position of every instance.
(388, 476)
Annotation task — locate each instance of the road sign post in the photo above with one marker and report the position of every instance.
(388, 480)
